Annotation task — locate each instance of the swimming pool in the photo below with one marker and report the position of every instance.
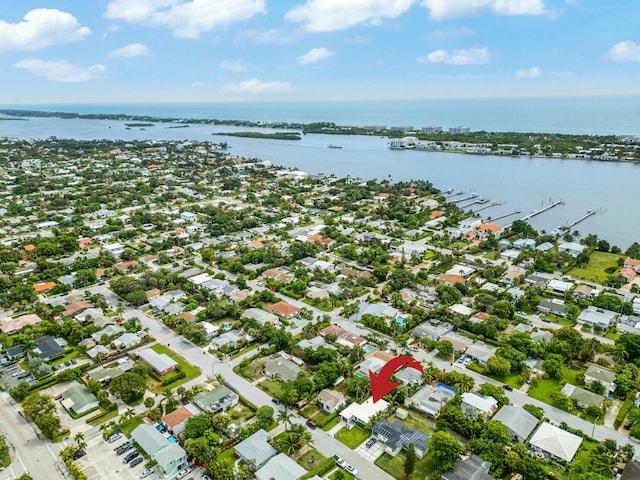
(400, 321)
(369, 348)
(172, 439)
(447, 387)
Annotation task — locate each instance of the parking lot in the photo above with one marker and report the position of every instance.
(102, 463)
(372, 453)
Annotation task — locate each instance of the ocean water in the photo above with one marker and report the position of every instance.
(518, 184)
(580, 115)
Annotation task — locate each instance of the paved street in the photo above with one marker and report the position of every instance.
(29, 453)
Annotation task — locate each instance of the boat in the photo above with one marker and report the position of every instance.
(333, 146)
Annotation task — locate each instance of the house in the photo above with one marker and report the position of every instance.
(217, 400)
(596, 373)
(261, 316)
(555, 307)
(10, 326)
(232, 337)
(597, 316)
(409, 376)
(541, 336)
(278, 275)
(480, 352)
(280, 467)
(522, 243)
(109, 331)
(283, 309)
(450, 279)
(160, 362)
(559, 286)
(170, 456)
(43, 287)
(127, 340)
(432, 329)
(371, 365)
(76, 307)
(47, 347)
(104, 375)
(397, 436)
(15, 352)
(115, 249)
(632, 263)
(583, 398)
(510, 254)
(98, 350)
(519, 422)
(430, 399)
(362, 413)
(572, 248)
(469, 468)
(79, 400)
(583, 291)
(281, 367)
(350, 340)
(312, 343)
(631, 471)
(331, 400)
(461, 309)
(556, 442)
(256, 449)
(188, 216)
(473, 404)
(177, 419)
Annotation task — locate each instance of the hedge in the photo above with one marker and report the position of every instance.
(323, 421)
(321, 469)
(104, 413)
(624, 410)
(173, 378)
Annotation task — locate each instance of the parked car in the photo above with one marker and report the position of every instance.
(131, 456)
(183, 473)
(507, 387)
(136, 461)
(146, 473)
(124, 448)
(351, 470)
(339, 461)
(413, 349)
(311, 424)
(276, 401)
(205, 477)
(628, 425)
(58, 397)
(73, 361)
(371, 442)
(114, 436)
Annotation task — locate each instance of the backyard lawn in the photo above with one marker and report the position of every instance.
(191, 371)
(272, 388)
(594, 271)
(352, 437)
(310, 460)
(547, 386)
(395, 466)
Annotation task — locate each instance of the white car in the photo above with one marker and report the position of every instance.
(351, 470)
(183, 473)
(339, 461)
(146, 473)
(114, 437)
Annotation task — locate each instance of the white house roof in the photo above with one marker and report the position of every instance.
(159, 361)
(517, 419)
(363, 412)
(595, 315)
(282, 468)
(479, 402)
(557, 442)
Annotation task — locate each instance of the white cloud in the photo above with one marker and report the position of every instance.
(533, 72)
(626, 51)
(315, 55)
(473, 56)
(61, 71)
(131, 50)
(330, 15)
(186, 19)
(441, 9)
(449, 33)
(255, 86)
(42, 27)
(236, 66)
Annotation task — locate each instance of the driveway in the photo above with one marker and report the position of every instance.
(372, 453)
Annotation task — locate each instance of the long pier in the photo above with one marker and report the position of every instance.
(538, 212)
(468, 197)
(566, 228)
(477, 201)
(503, 216)
(492, 204)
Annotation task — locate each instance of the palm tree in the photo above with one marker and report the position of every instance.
(80, 443)
(465, 384)
(284, 416)
(127, 415)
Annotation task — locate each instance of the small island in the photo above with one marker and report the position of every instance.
(273, 136)
(140, 124)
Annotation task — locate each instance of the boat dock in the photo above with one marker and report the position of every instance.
(503, 216)
(492, 204)
(565, 228)
(468, 197)
(450, 193)
(477, 201)
(542, 210)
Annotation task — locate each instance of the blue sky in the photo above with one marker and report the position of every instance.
(103, 51)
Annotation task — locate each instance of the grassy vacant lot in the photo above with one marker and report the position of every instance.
(191, 371)
(253, 371)
(273, 388)
(310, 460)
(594, 271)
(130, 425)
(395, 466)
(565, 322)
(352, 437)
(419, 422)
(547, 386)
(241, 412)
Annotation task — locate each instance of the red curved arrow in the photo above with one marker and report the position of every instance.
(380, 384)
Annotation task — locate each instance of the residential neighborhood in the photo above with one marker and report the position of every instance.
(219, 317)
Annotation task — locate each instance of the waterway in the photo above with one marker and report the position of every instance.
(521, 183)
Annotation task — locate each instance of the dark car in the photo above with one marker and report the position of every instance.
(276, 401)
(628, 425)
(371, 442)
(136, 461)
(311, 424)
(507, 387)
(73, 361)
(131, 456)
(124, 448)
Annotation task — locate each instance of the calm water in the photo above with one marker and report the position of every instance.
(522, 184)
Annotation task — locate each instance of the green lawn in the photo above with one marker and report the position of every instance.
(352, 437)
(419, 422)
(346, 475)
(565, 322)
(310, 460)
(67, 357)
(273, 388)
(395, 466)
(191, 371)
(547, 386)
(594, 271)
(331, 424)
(241, 412)
(128, 426)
